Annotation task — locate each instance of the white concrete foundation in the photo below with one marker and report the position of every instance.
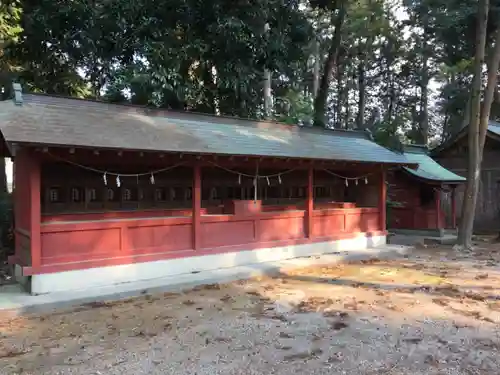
(138, 272)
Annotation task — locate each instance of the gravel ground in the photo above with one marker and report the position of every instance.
(434, 312)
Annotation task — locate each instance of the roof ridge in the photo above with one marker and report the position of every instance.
(415, 149)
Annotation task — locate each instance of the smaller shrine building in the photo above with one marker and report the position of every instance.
(415, 196)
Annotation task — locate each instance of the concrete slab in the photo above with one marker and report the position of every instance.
(411, 240)
(445, 239)
(15, 302)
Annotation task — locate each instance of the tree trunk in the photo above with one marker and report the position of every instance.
(489, 95)
(424, 87)
(474, 151)
(346, 101)
(466, 118)
(210, 83)
(446, 122)
(339, 114)
(215, 80)
(322, 97)
(316, 68)
(392, 100)
(424, 104)
(268, 100)
(360, 118)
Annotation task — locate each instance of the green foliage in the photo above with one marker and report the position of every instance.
(10, 31)
(388, 136)
(10, 16)
(209, 56)
(294, 108)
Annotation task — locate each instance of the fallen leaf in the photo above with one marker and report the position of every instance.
(304, 355)
(227, 298)
(13, 353)
(440, 301)
(413, 340)
(481, 276)
(338, 325)
(335, 313)
(474, 296)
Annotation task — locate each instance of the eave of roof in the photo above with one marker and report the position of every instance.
(57, 121)
(428, 169)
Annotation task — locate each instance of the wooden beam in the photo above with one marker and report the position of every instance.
(437, 195)
(14, 148)
(382, 200)
(196, 214)
(453, 208)
(33, 199)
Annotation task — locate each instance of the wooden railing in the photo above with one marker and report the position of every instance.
(171, 236)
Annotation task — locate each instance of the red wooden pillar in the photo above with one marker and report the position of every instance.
(35, 213)
(437, 194)
(196, 214)
(382, 201)
(453, 209)
(27, 207)
(17, 195)
(310, 202)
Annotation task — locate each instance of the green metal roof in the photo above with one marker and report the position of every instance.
(428, 169)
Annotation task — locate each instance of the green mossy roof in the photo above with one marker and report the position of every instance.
(428, 168)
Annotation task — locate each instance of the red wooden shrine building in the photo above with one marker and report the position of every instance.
(106, 194)
(415, 195)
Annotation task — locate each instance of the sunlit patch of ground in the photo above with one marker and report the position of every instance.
(434, 312)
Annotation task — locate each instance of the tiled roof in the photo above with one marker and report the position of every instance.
(56, 121)
(428, 169)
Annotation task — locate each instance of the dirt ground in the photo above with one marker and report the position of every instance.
(434, 312)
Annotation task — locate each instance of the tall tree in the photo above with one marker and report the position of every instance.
(475, 144)
(338, 9)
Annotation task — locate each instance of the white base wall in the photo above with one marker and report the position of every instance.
(136, 272)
